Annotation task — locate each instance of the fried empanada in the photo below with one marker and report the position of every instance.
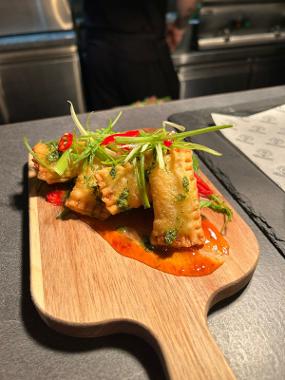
(85, 196)
(119, 188)
(177, 219)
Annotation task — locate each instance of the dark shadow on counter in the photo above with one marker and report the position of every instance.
(225, 302)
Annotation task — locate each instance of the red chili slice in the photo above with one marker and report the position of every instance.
(56, 197)
(65, 142)
(203, 188)
(110, 139)
(167, 143)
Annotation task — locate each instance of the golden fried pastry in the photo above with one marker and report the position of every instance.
(177, 219)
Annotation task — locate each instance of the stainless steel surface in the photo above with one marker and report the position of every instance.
(240, 46)
(36, 83)
(32, 16)
(36, 41)
(213, 78)
(223, 70)
(39, 63)
(222, 55)
(226, 25)
(229, 40)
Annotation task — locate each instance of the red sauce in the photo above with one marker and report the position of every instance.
(128, 233)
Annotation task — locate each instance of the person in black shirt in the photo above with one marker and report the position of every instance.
(127, 58)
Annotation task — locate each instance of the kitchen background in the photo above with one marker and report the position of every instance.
(229, 46)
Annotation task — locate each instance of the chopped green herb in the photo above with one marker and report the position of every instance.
(185, 184)
(122, 201)
(170, 236)
(113, 172)
(180, 197)
(53, 156)
(53, 152)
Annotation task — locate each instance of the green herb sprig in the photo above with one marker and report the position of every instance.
(215, 203)
(87, 147)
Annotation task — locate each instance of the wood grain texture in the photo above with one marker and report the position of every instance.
(82, 287)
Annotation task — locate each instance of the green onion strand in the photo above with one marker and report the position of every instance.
(76, 120)
(62, 163)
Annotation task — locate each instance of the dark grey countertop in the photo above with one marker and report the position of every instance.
(245, 181)
(249, 327)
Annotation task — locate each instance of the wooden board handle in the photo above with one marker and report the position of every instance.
(190, 352)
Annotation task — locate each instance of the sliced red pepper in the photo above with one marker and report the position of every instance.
(65, 142)
(56, 197)
(203, 188)
(167, 143)
(111, 139)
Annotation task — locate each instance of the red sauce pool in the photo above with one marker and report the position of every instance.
(128, 233)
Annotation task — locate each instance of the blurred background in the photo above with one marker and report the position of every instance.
(227, 46)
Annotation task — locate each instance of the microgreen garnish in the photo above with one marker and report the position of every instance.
(114, 122)
(141, 148)
(215, 203)
(62, 164)
(179, 127)
(142, 182)
(76, 120)
(159, 156)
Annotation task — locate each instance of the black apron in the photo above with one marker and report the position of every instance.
(127, 58)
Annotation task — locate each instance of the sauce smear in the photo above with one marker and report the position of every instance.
(129, 234)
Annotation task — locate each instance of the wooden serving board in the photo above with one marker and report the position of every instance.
(82, 287)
